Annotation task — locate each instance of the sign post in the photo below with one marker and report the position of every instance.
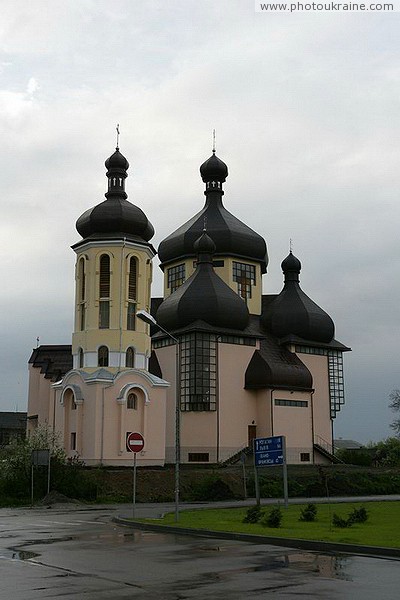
(40, 458)
(135, 444)
(268, 452)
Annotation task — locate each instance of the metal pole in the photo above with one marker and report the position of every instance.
(32, 485)
(177, 430)
(243, 457)
(285, 479)
(256, 482)
(48, 474)
(134, 485)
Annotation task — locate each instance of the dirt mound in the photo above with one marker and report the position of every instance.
(57, 498)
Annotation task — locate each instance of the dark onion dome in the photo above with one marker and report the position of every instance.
(292, 312)
(116, 215)
(213, 169)
(204, 296)
(117, 161)
(231, 236)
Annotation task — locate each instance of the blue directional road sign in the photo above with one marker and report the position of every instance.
(269, 451)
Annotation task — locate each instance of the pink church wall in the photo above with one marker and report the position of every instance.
(39, 398)
(318, 365)
(296, 424)
(237, 407)
(102, 420)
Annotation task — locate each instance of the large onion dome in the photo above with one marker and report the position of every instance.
(294, 313)
(116, 215)
(204, 296)
(231, 236)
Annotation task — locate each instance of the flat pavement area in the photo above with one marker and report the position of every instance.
(73, 551)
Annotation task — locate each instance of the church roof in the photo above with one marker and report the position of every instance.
(230, 235)
(54, 361)
(203, 296)
(274, 366)
(116, 216)
(292, 312)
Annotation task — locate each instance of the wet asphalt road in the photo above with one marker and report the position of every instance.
(77, 552)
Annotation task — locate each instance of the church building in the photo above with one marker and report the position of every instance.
(229, 363)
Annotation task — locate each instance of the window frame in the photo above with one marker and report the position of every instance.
(105, 359)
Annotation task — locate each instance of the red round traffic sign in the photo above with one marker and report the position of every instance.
(135, 442)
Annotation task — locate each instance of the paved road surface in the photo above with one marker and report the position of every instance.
(74, 552)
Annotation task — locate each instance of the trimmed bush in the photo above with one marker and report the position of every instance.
(273, 518)
(309, 513)
(253, 514)
(358, 515)
(340, 522)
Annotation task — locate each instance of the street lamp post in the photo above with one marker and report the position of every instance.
(150, 320)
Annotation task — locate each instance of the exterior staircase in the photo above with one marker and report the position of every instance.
(326, 449)
(237, 456)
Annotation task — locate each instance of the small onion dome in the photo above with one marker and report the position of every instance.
(294, 313)
(214, 169)
(230, 235)
(204, 245)
(117, 161)
(291, 263)
(116, 215)
(204, 296)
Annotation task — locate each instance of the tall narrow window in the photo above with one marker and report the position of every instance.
(130, 357)
(102, 355)
(104, 292)
(175, 277)
(132, 294)
(245, 277)
(80, 358)
(81, 294)
(198, 372)
(131, 402)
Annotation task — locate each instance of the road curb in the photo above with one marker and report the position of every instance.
(315, 546)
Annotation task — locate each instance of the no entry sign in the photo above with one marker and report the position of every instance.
(134, 442)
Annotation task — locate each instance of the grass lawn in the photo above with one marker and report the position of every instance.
(381, 529)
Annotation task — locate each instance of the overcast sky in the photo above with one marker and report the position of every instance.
(307, 113)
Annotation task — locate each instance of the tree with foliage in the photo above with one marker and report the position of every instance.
(387, 452)
(394, 405)
(67, 476)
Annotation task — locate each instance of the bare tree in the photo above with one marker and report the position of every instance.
(394, 405)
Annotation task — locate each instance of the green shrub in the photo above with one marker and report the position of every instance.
(273, 518)
(67, 475)
(362, 457)
(211, 488)
(340, 522)
(253, 514)
(358, 515)
(308, 513)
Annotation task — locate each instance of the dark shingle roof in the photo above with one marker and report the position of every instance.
(54, 361)
(274, 366)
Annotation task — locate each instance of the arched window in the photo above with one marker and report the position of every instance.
(104, 292)
(130, 357)
(81, 293)
(80, 358)
(132, 294)
(131, 401)
(102, 355)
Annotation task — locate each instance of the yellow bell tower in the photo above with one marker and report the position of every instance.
(113, 280)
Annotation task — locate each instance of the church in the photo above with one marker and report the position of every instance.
(214, 363)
